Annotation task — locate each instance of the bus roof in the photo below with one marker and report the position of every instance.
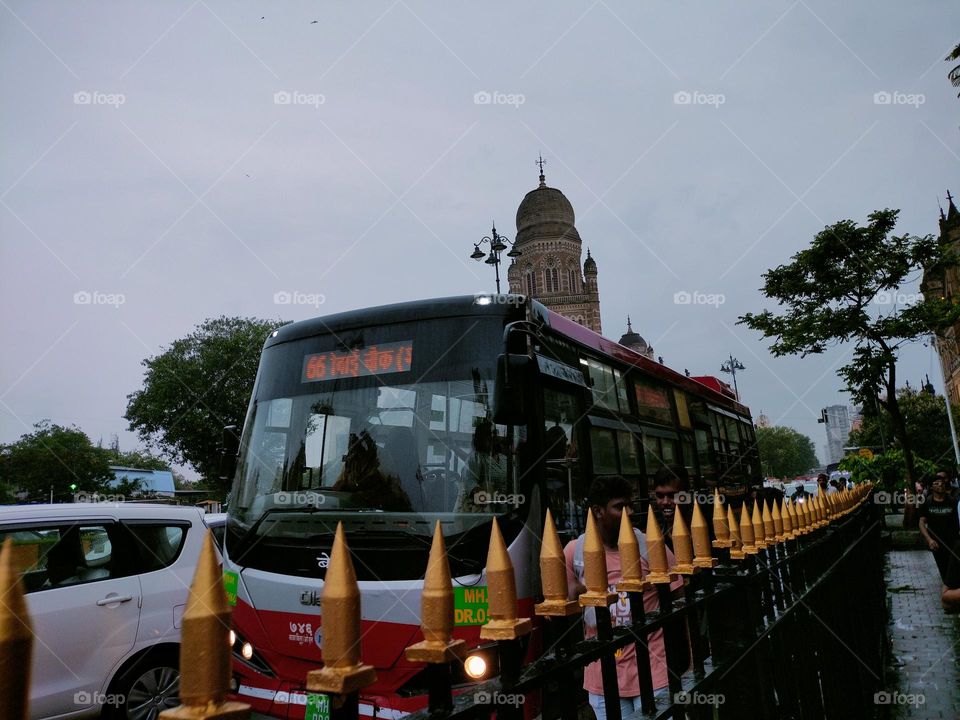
(587, 337)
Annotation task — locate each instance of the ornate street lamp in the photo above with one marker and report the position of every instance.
(498, 243)
(731, 366)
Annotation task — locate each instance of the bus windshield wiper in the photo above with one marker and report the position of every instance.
(247, 537)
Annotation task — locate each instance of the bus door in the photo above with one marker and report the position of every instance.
(563, 477)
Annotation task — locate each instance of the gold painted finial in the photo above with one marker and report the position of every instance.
(656, 552)
(682, 545)
(16, 638)
(343, 672)
(595, 568)
(736, 542)
(502, 593)
(746, 531)
(702, 558)
(553, 574)
(436, 610)
(205, 647)
(721, 529)
(631, 571)
(759, 532)
(777, 521)
(786, 519)
(769, 529)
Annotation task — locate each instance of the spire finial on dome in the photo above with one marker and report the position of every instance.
(543, 180)
(629, 326)
(951, 208)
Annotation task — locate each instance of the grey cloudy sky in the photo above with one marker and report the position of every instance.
(149, 159)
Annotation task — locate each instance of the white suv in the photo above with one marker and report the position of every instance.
(106, 589)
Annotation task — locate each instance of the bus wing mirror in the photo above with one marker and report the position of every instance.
(229, 448)
(509, 392)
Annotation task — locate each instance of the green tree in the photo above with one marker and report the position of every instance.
(784, 452)
(844, 288)
(201, 383)
(954, 74)
(925, 417)
(53, 457)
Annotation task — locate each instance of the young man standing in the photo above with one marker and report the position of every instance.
(939, 522)
(609, 497)
(950, 592)
(671, 486)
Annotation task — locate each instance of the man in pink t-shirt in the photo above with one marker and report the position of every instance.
(608, 497)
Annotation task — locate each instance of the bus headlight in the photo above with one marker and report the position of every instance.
(233, 638)
(247, 651)
(475, 666)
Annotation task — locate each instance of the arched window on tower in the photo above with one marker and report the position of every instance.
(552, 277)
(531, 283)
(572, 275)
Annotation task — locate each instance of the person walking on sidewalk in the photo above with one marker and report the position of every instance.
(939, 521)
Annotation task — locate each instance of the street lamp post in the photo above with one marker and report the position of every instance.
(731, 366)
(498, 243)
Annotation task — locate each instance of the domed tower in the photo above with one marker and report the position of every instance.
(549, 268)
(633, 340)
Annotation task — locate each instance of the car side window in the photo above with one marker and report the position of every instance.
(154, 546)
(53, 557)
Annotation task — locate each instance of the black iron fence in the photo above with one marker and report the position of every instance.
(781, 615)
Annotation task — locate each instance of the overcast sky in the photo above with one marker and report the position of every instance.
(168, 162)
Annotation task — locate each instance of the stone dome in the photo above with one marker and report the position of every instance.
(589, 265)
(544, 205)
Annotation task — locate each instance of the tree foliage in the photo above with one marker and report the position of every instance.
(784, 452)
(887, 469)
(845, 288)
(954, 74)
(54, 458)
(201, 383)
(925, 418)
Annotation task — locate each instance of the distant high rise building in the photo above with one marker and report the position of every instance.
(838, 430)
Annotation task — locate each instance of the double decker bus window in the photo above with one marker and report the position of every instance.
(653, 401)
(668, 451)
(603, 385)
(704, 456)
(629, 457)
(604, 451)
(651, 454)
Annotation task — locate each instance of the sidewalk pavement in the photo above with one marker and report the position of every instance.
(924, 677)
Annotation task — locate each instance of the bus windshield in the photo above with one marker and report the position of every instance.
(425, 448)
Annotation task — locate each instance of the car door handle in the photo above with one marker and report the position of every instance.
(113, 600)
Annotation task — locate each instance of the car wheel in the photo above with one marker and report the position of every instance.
(146, 689)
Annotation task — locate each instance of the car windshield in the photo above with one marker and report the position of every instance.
(371, 452)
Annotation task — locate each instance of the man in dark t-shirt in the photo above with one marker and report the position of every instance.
(939, 522)
(950, 593)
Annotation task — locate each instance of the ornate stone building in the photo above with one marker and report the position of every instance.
(635, 342)
(947, 284)
(549, 268)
